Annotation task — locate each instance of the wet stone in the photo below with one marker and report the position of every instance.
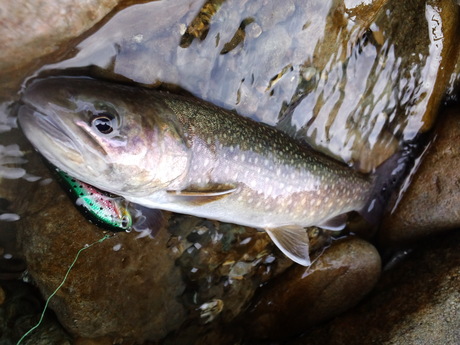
(33, 29)
(20, 310)
(430, 204)
(416, 302)
(336, 281)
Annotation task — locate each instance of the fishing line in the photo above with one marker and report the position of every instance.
(60, 285)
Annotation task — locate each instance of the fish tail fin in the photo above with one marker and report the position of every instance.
(388, 178)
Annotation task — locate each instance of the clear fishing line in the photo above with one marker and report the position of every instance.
(59, 287)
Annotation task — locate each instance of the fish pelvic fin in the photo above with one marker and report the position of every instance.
(293, 242)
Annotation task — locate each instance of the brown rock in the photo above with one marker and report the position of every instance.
(304, 297)
(418, 302)
(32, 29)
(430, 205)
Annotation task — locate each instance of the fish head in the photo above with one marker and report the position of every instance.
(103, 134)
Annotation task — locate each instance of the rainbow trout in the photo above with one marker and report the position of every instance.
(183, 155)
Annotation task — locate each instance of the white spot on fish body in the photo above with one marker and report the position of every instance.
(269, 190)
(206, 162)
(138, 38)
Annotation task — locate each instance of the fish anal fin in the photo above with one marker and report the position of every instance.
(336, 223)
(199, 195)
(293, 242)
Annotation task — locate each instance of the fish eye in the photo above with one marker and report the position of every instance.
(103, 123)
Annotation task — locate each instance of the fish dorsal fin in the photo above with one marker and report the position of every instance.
(336, 223)
(293, 242)
(202, 195)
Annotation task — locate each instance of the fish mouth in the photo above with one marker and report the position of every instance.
(48, 134)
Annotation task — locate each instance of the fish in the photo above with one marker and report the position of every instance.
(181, 154)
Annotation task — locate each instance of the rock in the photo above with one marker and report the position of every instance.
(416, 302)
(20, 311)
(430, 205)
(338, 280)
(33, 29)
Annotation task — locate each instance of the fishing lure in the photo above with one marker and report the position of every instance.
(101, 208)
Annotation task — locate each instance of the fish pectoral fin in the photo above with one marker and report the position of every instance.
(199, 195)
(336, 223)
(293, 242)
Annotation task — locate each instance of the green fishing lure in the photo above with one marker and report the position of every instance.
(101, 208)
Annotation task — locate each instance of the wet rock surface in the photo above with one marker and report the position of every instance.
(430, 204)
(416, 302)
(30, 30)
(343, 77)
(20, 307)
(339, 279)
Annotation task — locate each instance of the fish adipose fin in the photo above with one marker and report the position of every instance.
(203, 195)
(293, 242)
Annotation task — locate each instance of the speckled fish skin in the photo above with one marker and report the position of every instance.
(183, 155)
